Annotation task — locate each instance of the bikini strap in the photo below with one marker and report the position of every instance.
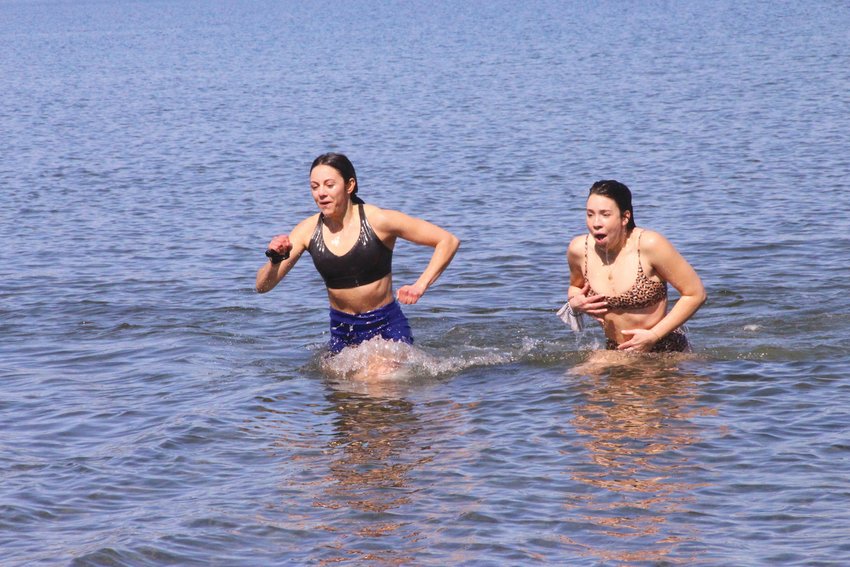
(640, 265)
(585, 257)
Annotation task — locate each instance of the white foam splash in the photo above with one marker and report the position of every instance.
(380, 360)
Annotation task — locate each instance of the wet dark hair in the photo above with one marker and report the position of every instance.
(345, 168)
(619, 193)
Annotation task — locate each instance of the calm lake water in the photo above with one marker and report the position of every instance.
(155, 410)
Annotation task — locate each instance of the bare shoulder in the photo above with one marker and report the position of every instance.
(655, 246)
(373, 212)
(304, 230)
(385, 219)
(650, 239)
(576, 247)
(307, 224)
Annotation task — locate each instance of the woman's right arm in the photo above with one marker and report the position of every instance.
(574, 257)
(269, 275)
(595, 305)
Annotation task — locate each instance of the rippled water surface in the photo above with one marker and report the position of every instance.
(155, 410)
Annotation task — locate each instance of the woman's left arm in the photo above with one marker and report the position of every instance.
(421, 232)
(672, 267)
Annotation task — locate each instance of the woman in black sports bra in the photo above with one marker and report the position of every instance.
(619, 275)
(351, 244)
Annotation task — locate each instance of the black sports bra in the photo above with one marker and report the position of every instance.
(368, 260)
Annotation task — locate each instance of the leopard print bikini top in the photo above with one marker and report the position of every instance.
(643, 293)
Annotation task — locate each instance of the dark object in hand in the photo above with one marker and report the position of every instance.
(276, 257)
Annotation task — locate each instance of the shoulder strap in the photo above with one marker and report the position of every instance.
(640, 265)
(585, 256)
(317, 238)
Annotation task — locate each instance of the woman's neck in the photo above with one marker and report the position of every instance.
(335, 223)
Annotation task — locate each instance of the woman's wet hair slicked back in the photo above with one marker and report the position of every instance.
(619, 193)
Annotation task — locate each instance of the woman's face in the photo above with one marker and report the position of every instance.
(329, 190)
(605, 221)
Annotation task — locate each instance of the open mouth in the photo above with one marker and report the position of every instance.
(599, 237)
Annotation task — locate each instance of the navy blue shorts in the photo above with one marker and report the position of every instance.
(388, 322)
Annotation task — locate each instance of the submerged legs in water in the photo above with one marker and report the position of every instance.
(373, 360)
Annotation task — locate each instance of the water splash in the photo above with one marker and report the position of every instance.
(381, 360)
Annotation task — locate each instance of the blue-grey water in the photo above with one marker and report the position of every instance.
(155, 410)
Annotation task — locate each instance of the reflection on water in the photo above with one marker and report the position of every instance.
(635, 422)
(346, 473)
(372, 456)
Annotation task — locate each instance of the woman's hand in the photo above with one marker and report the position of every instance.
(595, 305)
(410, 294)
(642, 340)
(281, 244)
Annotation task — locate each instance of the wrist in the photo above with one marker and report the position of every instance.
(276, 257)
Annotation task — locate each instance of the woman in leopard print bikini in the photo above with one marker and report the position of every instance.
(632, 309)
